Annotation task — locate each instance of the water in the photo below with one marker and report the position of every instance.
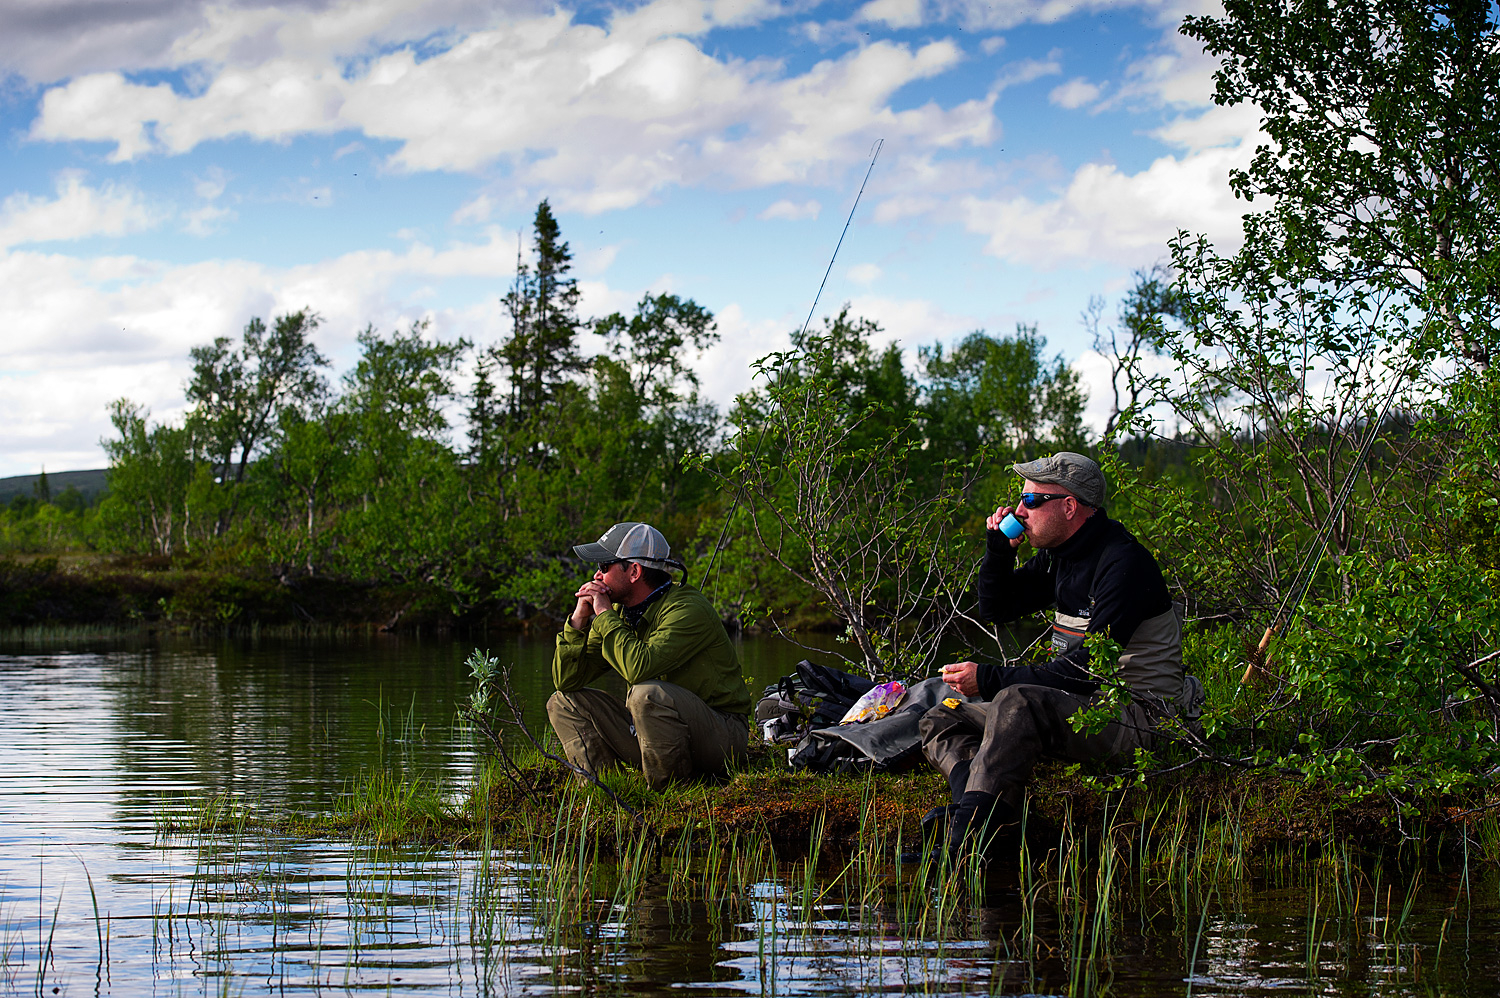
(100, 744)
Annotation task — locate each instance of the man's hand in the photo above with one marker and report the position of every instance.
(593, 599)
(962, 676)
(992, 522)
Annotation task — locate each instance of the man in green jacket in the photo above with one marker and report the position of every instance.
(685, 707)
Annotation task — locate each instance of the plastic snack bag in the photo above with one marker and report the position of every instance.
(875, 704)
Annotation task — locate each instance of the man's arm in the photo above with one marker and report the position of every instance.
(680, 633)
(1009, 593)
(578, 660)
(1061, 674)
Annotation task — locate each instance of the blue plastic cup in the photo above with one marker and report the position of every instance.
(1011, 527)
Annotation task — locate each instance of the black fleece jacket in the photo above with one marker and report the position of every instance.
(1101, 573)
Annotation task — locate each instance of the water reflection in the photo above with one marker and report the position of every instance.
(99, 742)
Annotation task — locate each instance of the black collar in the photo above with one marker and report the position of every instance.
(1086, 538)
(633, 614)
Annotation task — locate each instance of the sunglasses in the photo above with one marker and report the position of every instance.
(1031, 500)
(605, 566)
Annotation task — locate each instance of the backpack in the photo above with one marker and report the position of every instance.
(887, 744)
(815, 696)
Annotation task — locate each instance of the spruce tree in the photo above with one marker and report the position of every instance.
(541, 352)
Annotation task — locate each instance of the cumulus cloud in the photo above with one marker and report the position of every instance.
(1075, 93)
(892, 13)
(1104, 214)
(77, 211)
(1214, 128)
(909, 322)
(609, 115)
(46, 40)
(86, 332)
(791, 211)
(1026, 70)
(727, 369)
(865, 273)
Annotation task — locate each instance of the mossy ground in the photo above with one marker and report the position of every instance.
(1261, 811)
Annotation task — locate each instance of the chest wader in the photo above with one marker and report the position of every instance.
(992, 747)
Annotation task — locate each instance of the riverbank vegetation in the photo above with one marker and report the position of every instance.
(1305, 429)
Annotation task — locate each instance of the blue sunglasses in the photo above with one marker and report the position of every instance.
(1031, 500)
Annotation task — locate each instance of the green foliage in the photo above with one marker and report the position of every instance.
(836, 487)
(1391, 692)
(31, 527)
(151, 468)
(239, 396)
(1382, 123)
(541, 352)
(1002, 395)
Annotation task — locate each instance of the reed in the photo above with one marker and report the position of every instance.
(560, 876)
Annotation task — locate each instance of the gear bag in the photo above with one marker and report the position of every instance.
(815, 696)
(892, 742)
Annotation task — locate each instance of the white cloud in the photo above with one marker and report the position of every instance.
(992, 44)
(791, 211)
(892, 13)
(45, 40)
(78, 211)
(477, 210)
(865, 273)
(1093, 372)
(605, 117)
(1214, 128)
(910, 322)
(211, 184)
(999, 15)
(207, 219)
(1104, 214)
(727, 369)
(597, 261)
(1023, 71)
(1074, 94)
(85, 332)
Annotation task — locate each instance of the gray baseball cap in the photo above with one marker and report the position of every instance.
(630, 541)
(1074, 472)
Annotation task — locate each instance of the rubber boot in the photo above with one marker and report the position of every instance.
(933, 821)
(958, 780)
(985, 825)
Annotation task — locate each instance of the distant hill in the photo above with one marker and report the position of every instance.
(91, 483)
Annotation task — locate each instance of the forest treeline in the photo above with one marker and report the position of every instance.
(1305, 428)
(472, 489)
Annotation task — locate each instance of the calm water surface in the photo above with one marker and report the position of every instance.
(100, 742)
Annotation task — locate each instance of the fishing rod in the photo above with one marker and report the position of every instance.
(1291, 602)
(735, 505)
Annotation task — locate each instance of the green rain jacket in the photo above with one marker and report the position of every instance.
(679, 640)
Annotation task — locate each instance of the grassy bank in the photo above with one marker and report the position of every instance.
(789, 813)
(127, 593)
(39, 592)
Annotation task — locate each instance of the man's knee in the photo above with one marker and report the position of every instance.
(565, 711)
(651, 695)
(559, 703)
(1030, 711)
(951, 735)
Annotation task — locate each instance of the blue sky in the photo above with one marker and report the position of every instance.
(174, 168)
